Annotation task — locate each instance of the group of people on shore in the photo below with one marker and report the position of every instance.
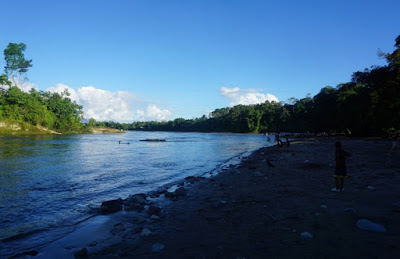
(281, 143)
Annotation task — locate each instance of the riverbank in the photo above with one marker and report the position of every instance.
(254, 211)
(14, 127)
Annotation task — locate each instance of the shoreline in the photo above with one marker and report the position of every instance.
(91, 223)
(252, 210)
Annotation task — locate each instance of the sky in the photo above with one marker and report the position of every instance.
(141, 60)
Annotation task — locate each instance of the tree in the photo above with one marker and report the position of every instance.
(16, 64)
(4, 80)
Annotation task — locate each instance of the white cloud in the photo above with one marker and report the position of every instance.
(103, 105)
(246, 96)
(23, 85)
(154, 113)
(157, 114)
(59, 88)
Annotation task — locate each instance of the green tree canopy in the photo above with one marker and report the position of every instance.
(16, 64)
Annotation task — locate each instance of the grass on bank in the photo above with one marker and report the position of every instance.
(15, 127)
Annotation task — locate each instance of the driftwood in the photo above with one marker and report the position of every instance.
(153, 140)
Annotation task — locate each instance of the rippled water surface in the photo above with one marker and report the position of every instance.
(49, 182)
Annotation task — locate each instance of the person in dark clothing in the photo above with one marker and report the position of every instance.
(395, 144)
(340, 167)
(278, 141)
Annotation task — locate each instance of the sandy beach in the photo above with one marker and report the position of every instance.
(256, 211)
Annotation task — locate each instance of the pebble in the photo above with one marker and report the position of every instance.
(306, 235)
(219, 204)
(371, 187)
(258, 173)
(157, 248)
(93, 244)
(145, 233)
(154, 217)
(350, 210)
(365, 224)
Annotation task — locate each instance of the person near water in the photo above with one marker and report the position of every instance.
(287, 142)
(340, 167)
(395, 144)
(278, 141)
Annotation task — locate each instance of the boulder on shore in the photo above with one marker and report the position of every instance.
(111, 206)
(154, 210)
(135, 202)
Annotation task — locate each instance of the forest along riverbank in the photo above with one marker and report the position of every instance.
(283, 210)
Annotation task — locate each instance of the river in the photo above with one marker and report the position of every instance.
(49, 183)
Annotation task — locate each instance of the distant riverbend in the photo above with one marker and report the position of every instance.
(49, 183)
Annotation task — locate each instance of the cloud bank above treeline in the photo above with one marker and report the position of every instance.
(125, 107)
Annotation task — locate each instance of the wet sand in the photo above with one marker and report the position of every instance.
(256, 211)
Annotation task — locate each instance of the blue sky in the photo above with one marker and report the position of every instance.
(163, 59)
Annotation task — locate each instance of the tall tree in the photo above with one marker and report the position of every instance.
(16, 64)
(4, 80)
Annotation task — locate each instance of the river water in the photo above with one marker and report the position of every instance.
(49, 183)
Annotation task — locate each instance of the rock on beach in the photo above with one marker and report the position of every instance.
(111, 206)
(365, 224)
(157, 248)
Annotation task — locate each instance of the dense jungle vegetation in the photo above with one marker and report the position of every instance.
(51, 110)
(368, 105)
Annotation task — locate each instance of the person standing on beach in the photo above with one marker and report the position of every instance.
(340, 168)
(395, 144)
